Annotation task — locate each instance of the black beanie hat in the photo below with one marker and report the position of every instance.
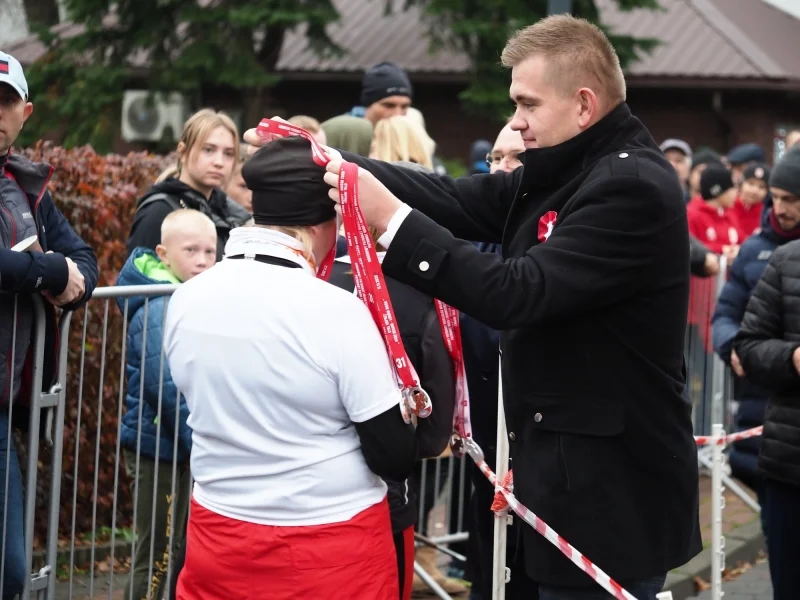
(786, 174)
(287, 185)
(715, 181)
(384, 80)
(706, 156)
(756, 171)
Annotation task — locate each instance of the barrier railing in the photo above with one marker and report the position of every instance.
(100, 515)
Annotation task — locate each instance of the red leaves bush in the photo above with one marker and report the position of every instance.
(97, 194)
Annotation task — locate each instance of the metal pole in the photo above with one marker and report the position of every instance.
(717, 504)
(717, 366)
(500, 573)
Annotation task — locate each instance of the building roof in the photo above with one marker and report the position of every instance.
(711, 42)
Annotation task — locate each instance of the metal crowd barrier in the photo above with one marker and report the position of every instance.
(99, 515)
(97, 512)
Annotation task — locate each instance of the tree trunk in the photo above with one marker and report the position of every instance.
(259, 102)
(43, 13)
(257, 105)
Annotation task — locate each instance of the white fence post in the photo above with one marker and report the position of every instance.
(717, 504)
(500, 573)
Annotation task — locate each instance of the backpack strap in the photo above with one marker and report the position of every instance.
(174, 203)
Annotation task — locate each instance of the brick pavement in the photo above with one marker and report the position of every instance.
(735, 514)
(752, 585)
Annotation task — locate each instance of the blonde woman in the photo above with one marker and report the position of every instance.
(294, 425)
(398, 138)
(207, 152)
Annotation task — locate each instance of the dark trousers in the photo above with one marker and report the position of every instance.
(783, 542)
(644, 589)
(13, 577)
(404, 547)
(159, 515)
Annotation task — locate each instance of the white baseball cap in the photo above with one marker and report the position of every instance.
(11, 73)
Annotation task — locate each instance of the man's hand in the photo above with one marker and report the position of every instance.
(256, 140)
(377, 203)
(796, 360)
(74, 290)
(712, 264)
(736, 364)
(730, 253)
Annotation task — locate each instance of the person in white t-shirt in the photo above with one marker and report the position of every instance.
(294, 407)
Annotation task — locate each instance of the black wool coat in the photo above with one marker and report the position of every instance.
(591, 296)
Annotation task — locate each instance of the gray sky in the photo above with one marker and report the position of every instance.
(790, 6)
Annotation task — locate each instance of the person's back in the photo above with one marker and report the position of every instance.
(297, 450)
(293, 425)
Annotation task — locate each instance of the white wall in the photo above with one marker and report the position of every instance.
(790, 6)
(13, 24)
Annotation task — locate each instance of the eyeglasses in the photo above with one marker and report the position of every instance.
(513, 159)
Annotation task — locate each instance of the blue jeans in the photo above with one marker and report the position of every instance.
(13, 577)
(644, 589)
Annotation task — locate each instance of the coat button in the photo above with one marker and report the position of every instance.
(624, 155)
(537, 417)
(424, 266)
(511, 436)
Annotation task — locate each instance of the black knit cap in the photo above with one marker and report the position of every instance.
(786, 173)
(287, 185)
(756, 171)
(384, 80)
(715, 181)
(705, 156)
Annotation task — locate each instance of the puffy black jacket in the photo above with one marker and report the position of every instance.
(765, 344)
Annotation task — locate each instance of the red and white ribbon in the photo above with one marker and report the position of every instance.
(703, 440)
(367, 273)
(583, 563)
(451, 333)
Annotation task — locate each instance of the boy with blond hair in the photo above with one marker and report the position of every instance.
(154, 433)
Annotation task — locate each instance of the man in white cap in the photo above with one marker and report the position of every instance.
(679, 154)
(57, 264)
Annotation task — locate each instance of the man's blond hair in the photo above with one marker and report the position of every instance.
(185, 220)
(578, 53)
(310, 124)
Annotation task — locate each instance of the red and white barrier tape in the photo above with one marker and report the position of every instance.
(451, 333)
(703, 440)
(583, 563)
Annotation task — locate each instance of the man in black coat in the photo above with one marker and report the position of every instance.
(591, 296)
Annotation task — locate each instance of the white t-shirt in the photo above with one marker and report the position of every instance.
(276, 365)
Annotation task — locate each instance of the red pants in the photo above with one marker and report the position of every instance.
(227, 558)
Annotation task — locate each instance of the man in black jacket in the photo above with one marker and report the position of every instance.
(39, 253)
(768, 346)
(591, 296)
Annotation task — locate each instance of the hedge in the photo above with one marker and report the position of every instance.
(97, 194)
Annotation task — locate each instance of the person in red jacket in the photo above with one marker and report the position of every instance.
(713, 223)
(749, 206)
